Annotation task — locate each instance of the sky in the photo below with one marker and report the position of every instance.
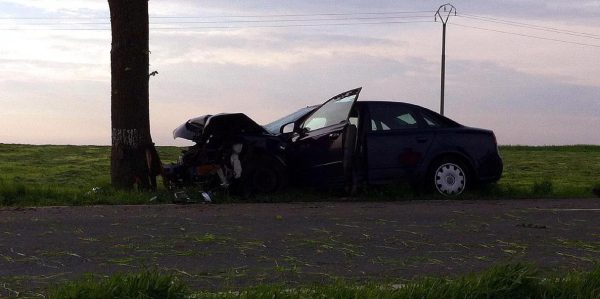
(529, 70)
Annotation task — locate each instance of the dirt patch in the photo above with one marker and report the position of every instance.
(238, 245)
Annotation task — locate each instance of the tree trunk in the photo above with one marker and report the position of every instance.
(130, 119)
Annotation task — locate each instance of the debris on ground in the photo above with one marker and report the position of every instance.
(95, 190)
(181, 197)
(531, 225)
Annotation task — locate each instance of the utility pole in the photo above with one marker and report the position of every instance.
(443, 13)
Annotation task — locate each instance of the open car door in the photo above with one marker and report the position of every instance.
(322, 139)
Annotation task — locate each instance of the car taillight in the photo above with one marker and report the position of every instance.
(496, 143)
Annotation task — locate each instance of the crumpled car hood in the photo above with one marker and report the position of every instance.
(232, 123)
(219, 124)
(191, 129)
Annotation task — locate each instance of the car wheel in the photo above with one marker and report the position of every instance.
(450, 178)
(265, 176)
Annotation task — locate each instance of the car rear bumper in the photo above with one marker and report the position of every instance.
(490, 170)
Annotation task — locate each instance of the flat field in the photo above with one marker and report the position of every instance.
(41, 175)
(556, 171)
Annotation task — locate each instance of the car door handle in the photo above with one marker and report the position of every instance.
(421, 139)
(334, 135)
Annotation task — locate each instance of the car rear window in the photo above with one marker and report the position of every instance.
(392, 117)
(434, 120)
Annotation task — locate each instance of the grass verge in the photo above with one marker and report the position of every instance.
(504, 281)
(45, 175)
(40, 175)
(147, 284)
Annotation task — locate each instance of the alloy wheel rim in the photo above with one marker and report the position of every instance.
(450, 179)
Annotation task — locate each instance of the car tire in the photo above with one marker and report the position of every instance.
(449, 177)
(264, 175)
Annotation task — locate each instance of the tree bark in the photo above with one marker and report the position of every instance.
(130, 119)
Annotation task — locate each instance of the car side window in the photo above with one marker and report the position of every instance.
(434, 121)
(392, 117)
(431, 122)
(406, 119)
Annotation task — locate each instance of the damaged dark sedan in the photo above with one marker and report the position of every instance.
(342, 143)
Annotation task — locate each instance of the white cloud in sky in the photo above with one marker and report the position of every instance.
(55, 85)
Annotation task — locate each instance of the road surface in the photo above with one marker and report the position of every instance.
(230, 246)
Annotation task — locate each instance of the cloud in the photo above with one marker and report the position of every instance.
(56, 84)
(247, 47)
(46, 111)
(522, 108)
(35, 8)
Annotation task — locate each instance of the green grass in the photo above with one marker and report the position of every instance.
(66, 175)
(147, 284)
(503, 281)
(555, 171)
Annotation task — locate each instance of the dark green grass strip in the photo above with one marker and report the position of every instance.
(504, 281)
(148, 284)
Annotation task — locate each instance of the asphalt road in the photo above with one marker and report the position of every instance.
(231, 246)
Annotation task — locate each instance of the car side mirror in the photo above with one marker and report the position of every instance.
(288, 128)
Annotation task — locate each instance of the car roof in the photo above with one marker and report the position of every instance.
(412, 106)
(367, 102)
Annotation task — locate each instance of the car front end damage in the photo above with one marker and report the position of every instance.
(228, 150)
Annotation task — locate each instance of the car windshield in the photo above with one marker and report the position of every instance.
(275, 126)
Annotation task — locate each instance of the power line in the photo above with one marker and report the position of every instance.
(296, 25)
(236, 21)
(227, 16)
(530, 26)
(304, 18)
(294, 15)
(54, 18)
(527, 35)
(255, 19)
(221, 27)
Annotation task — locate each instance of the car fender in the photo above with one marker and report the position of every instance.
(449, 153)
(257, 147)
